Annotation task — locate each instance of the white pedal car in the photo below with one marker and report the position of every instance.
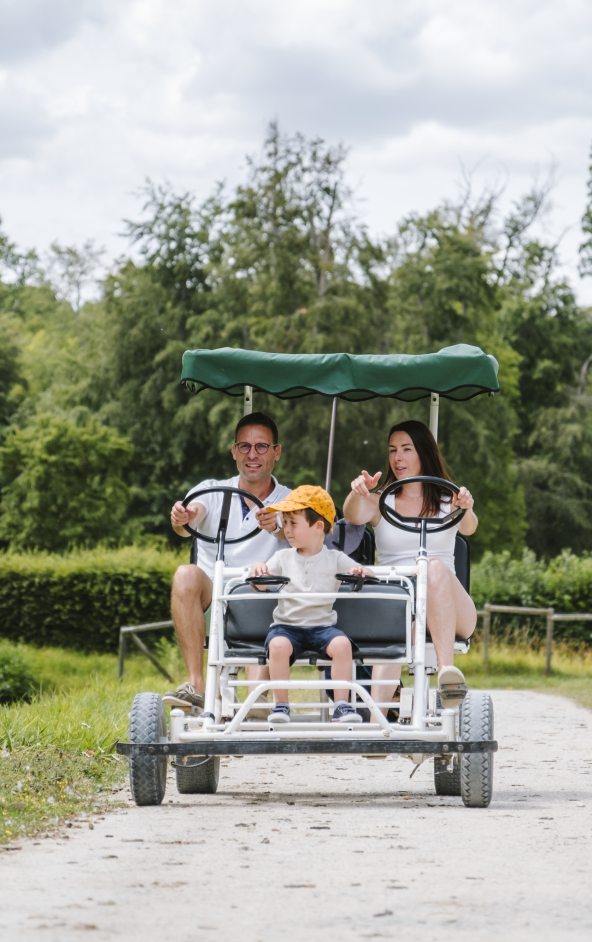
(377, 614)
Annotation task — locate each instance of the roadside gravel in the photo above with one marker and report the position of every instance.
(330, 848)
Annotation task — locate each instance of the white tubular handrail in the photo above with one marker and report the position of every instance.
(264, 686)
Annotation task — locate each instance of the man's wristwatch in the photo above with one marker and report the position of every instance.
(276, 531)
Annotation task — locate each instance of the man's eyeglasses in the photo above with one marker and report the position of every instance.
(261, 447)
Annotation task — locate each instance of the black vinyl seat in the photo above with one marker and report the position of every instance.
(377, 626)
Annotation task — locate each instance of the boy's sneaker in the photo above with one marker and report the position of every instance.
(280, 713)
(345, 713)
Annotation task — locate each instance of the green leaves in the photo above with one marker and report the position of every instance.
(62, 483)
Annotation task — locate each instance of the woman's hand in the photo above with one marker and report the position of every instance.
(259, 569)
(363, 484)
(463, 500)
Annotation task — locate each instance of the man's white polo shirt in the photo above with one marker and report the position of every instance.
(259, 548)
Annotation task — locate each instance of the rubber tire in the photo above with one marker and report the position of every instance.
(147, 774)
(445, 782)
(199, 779)
(476, 769)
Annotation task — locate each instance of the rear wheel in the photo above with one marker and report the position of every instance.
(147, 773)
(200, 775)
(447, 782)
(476, 769)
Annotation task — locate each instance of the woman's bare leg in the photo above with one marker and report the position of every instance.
(382, 693)
(450, 611)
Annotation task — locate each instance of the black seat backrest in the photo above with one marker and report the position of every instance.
(249, 621)
(366, 619)
(362, 619)
(462, 561)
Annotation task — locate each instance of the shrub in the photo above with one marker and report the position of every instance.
(16, 678)
(62, 483)
(81, 600)
(565, 585)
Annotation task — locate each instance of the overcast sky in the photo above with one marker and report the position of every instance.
(97, 95)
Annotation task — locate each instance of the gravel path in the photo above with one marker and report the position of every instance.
(329, 848)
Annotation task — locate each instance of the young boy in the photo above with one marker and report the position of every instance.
(308, 514)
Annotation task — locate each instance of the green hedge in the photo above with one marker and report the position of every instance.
(81, 600)
(565, 584)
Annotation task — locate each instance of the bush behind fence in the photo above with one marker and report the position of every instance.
(81, 600)
(564, 584)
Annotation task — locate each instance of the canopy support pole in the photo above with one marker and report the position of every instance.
(248, 400)
(331, 446)
(434, 407)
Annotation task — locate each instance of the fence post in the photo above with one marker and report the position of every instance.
(122, 651)
(486, 634)
(549, 646)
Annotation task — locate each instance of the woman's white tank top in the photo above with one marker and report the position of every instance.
(398, 548)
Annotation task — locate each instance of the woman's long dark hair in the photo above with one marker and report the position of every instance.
(432, 465)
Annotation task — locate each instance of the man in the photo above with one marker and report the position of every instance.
(256, 450)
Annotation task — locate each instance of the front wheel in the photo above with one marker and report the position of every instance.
(476, 768)
(199, 776)
(147, 773)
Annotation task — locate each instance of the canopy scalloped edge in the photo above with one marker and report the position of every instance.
(350, 377)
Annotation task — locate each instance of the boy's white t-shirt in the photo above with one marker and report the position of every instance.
(308, 574)
(258, 549)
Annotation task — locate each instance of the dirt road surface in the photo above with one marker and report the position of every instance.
(332, 849)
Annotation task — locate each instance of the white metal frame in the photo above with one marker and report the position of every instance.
(225, 718)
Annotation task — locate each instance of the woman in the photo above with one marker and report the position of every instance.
(450, 611)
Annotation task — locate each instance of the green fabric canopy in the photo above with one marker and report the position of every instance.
(458, 372)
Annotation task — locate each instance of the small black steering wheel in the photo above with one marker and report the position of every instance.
(356, 581)
(228, 492)
(405, 523)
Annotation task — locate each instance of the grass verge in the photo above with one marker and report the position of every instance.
(56, 752)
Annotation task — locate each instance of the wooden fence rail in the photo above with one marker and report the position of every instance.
(485, 612)
(550, 614)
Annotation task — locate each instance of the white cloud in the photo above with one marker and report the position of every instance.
(97, 96)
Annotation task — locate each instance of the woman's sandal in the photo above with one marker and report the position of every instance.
(451, 687)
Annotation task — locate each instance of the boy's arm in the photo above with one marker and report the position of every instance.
(351, 566)
(358, 570)
(272, 567)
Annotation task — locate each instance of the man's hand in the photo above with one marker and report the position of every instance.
(259, 569)
(267, 519)
(363, 484)
(181, 515)
(360, 571)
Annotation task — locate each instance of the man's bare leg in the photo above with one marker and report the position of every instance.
(191, 597)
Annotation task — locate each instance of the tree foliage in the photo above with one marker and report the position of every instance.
(283, 264)
(63, 484)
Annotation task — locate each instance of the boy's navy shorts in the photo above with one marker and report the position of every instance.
(304, 639)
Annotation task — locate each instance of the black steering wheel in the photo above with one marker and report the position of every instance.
(228, 492)
(269, 581)
(356, 581)
(404, 523)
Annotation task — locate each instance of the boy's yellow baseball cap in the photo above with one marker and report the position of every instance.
(307, 496)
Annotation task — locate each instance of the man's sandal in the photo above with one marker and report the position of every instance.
(451, 687)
